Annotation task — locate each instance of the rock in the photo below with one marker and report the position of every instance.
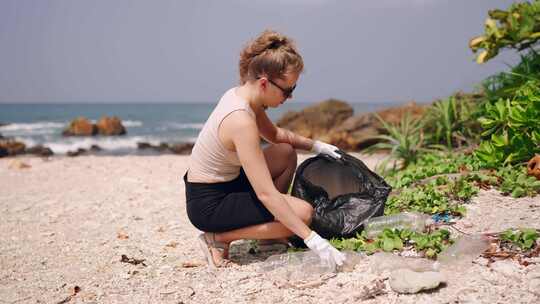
(317, 120)
(11, 147)
(533, 167)
(178, 148)
(181, 148)
(143, 145)
(332, 121)
(357, 132)
(76, 153)
(408, 281)
(40, 151)
(507, 269)
(110, 126)
(80, 126)
(18, 165)
(95, 148)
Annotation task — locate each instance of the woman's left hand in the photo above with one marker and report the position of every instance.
(324, 148)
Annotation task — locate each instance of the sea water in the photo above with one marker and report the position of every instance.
(154, 123)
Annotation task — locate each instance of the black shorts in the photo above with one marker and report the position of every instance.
(218, 207)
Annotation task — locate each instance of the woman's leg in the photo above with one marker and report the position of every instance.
(270, 230)
(265, 231)
(281, 160)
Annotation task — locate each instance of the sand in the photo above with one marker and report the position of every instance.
(66, 222)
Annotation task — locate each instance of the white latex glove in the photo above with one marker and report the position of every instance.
(324, 148)
(328, 254)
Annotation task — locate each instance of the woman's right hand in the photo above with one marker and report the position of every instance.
(328, 254)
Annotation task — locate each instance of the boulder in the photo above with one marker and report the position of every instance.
(357, 132)
(40, 151)
(533, 166)
(317, 120)
(181, 148)
(11, 147)
(80, 126)
(78, 152)
(95, 148)
(110, 126)
(408, 281)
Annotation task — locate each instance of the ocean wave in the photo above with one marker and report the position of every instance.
(181, 126)
(14, 127)
(125, 123)
(132, 123)
(62, 146)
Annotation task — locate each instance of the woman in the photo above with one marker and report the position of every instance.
(236, 190)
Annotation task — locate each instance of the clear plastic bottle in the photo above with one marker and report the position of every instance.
(306, 265)
(410, 220)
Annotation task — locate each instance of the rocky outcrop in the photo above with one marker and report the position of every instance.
(107, 126)
(333, 122)
(110, 126)
(358, 131)
(533, 166)
(39, 150)
(11, 147)
(178, 148)
(317, 120)
(80, 126)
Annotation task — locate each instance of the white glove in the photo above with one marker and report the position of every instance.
(328, 254)
(324, 148)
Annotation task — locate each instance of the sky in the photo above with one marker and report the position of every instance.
(114, 51)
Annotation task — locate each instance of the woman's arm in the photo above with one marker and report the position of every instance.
(242, 129)
(276, 135)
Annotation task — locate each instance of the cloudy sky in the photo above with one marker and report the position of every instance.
(187, 51)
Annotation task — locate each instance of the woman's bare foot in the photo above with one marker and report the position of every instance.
(219, 251)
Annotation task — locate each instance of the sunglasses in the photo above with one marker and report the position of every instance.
(286, 92)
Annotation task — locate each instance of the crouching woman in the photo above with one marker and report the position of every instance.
(234, 188)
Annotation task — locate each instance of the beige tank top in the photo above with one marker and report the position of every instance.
(210, 161)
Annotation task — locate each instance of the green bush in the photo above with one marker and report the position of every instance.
(511, 129)
(452, 121)
(518, 28)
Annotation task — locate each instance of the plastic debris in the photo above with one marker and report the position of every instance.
(465, 250)
(382, 261)
(306, 265)
(411, 220)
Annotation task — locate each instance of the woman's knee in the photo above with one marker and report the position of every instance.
(288, 151)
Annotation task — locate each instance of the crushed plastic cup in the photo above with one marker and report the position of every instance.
(464, 250)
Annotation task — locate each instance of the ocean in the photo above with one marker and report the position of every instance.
(42, 124)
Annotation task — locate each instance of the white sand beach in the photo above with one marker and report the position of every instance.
(66, 222)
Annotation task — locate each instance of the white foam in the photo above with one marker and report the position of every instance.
(32, 126)
(132, 123)
(62, 146)
(181, 126)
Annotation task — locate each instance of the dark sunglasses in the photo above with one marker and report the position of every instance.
(286, 92)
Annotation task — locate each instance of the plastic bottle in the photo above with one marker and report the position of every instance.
(306, 265)
(410, 220)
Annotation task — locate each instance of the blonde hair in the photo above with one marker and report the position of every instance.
(271, 54)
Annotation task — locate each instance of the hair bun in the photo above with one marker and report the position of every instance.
(275, 42)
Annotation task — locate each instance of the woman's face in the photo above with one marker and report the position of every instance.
(278, 90)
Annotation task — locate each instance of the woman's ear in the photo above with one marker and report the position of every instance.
(262, 83)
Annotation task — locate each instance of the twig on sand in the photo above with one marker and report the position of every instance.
(133, 261)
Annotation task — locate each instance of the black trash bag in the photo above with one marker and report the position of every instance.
(344, 194)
